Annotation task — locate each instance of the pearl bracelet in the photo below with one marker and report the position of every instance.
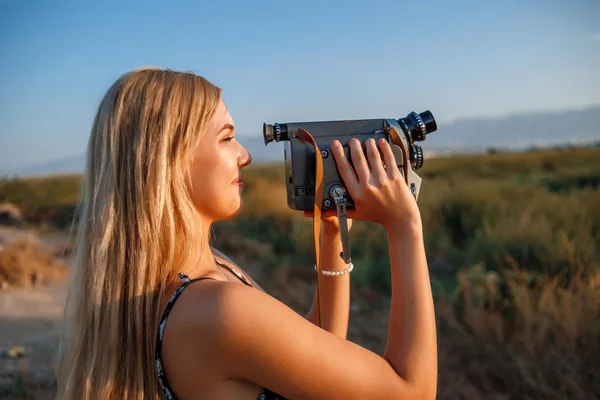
(337, 273)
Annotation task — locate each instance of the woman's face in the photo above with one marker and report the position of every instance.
(216, 169)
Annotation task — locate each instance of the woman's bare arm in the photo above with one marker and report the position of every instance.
(258, 339)
(411, 344)
(335, 291)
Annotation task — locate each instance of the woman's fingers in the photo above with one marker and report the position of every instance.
(359, 161)
(344, 168)
(388, 158)
(374, 158)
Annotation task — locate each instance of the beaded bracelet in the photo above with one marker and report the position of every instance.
(337, 273)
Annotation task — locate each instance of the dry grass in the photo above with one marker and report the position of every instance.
(25, 262)
(512, 335)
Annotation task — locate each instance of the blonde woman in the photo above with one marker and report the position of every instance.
(156, 312)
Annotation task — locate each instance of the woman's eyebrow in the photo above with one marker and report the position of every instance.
(227, 126)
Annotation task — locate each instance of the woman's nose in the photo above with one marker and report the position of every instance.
(247, 159)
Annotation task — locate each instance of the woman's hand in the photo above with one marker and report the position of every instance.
(380, 195)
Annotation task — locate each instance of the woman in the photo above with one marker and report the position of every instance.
(155, 311)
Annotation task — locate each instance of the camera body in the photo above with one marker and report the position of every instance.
(300, 159)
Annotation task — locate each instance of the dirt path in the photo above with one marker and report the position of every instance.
(30, 313)
(31, 320)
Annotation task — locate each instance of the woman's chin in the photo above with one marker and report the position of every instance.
(235, 212)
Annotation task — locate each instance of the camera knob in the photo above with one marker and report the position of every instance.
(277, 132)
(416, 156)
(337, 191)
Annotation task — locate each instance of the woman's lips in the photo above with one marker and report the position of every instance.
(239, 182)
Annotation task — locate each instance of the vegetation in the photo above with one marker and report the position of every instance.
(43, 201)
(512, 242)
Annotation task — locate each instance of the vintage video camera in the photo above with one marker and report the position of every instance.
(300, 156)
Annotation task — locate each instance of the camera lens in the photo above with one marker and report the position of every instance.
(429, 121)
(274, 132)
(417, 126)
(416, 156)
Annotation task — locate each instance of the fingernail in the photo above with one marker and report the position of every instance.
(381, 142)
(335, 144)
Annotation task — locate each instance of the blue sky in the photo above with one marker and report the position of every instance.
(285, 61)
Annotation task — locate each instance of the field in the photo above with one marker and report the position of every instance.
(512, 241)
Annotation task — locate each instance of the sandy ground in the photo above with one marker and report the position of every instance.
(30, 319)
(30, 322)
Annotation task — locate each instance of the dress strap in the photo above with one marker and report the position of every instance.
(162, 377)
(236, 273)
(186, 279)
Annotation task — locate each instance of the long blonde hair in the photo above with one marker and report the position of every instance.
(137, 225)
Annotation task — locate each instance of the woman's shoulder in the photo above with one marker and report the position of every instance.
(212, 318)
(207, 316)
(255, 338)
(195, 351)
(205, 302)
(206, 309)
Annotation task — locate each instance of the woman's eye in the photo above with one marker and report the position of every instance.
(229, 139)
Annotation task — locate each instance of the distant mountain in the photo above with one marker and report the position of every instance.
(61, 166)
(513, 132)
(519, 131)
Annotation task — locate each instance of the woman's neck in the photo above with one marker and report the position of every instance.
(205, 263)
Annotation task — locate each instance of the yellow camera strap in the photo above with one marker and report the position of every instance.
(307, 137)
